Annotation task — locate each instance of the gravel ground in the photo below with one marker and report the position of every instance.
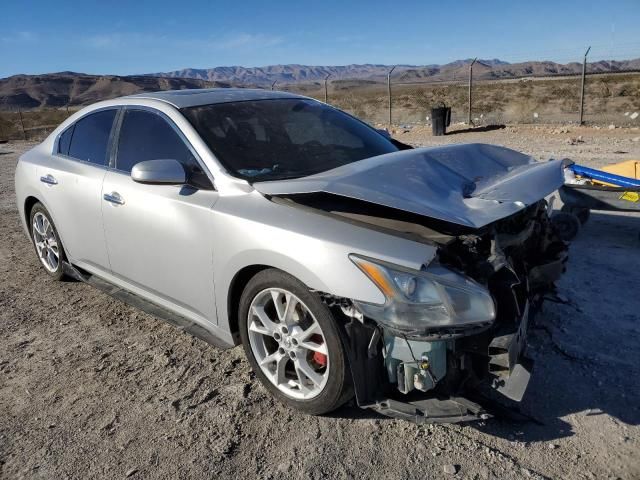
(91, 388)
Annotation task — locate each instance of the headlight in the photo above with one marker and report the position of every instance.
(419, 301)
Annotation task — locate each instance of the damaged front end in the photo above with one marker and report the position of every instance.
(455, 330)
(454, 333)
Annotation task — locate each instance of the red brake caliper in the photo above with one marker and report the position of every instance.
(319, 358)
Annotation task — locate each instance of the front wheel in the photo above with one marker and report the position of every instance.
(293, 343)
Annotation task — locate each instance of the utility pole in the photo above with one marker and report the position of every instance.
(470, 84)
(326, 96)
(389, 91)
(274, 84)
(24, 134)
(584, 74)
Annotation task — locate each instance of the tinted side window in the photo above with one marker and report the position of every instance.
(65, 140)
(147, 136)
(90, 137)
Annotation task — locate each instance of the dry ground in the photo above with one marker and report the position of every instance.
(90, 388)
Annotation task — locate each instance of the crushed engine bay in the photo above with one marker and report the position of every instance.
(427, 374)
(455, 331)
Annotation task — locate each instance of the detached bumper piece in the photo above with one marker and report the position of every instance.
(432, 410)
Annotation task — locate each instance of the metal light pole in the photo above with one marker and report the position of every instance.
(584, 74)
(389, 91)
(326, 96)
(470, 83)
(274, 84)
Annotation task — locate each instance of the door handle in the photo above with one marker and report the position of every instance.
(49, 179)
(114, 197)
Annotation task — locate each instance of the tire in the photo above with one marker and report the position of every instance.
(287, 381)
(581, 213)
(46, 240)
(567, 225)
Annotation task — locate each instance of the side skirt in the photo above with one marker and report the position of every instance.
(136, 301)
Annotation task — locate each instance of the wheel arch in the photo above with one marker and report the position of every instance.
(236, 287)
(29, 202)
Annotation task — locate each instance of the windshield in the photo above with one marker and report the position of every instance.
(284, 138)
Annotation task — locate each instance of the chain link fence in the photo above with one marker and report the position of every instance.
(611, 96)
(31, 124)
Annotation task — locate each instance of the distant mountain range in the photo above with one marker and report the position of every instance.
(458, 70)
(70, 88)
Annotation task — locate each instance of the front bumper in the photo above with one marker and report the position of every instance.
(481, 369)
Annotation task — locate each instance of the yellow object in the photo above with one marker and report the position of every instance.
(630, 196)
(630, 168)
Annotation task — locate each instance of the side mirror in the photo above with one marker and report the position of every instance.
(159, 172)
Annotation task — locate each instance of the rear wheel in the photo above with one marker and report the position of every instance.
(293, 343)
(46, 241)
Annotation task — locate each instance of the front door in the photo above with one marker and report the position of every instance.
(159, 237)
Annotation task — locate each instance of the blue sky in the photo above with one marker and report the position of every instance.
(119, 37)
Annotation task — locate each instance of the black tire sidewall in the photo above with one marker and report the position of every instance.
(59, 273)
(567, 225)
(339, 385)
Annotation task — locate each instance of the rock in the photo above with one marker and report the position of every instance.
(635, 139)
(450, 469)
(634, 115)
(575, 140)
(131, 472)
(552, 446)
(612, 127)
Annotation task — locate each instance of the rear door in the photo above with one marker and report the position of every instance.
(71, 185)
(159, 237)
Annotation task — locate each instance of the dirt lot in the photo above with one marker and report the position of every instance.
(90, 388)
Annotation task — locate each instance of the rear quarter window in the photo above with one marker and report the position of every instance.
(65, 140)
(90, 137)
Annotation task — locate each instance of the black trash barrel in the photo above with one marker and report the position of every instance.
(440, 120)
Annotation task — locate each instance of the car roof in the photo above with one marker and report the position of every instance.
(207, 96)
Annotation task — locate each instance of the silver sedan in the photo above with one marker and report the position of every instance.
(346, 263)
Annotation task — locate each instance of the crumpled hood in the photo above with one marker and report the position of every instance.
(467, 184)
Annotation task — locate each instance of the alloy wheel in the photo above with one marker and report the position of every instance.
(288, 343)
(46, 242)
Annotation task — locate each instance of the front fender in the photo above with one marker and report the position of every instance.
(313, 248)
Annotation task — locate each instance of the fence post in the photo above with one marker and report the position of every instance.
(470, 84)
(584, 74)
(274, 84)
(326, 96)
(389, 91)
(24, 134)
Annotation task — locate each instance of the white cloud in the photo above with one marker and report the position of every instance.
(250, 40)
(238, 41)
(118, 40)
(23, 36)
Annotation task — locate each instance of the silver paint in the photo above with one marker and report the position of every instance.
(467, 184)
(161, 171)
(182, 248)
